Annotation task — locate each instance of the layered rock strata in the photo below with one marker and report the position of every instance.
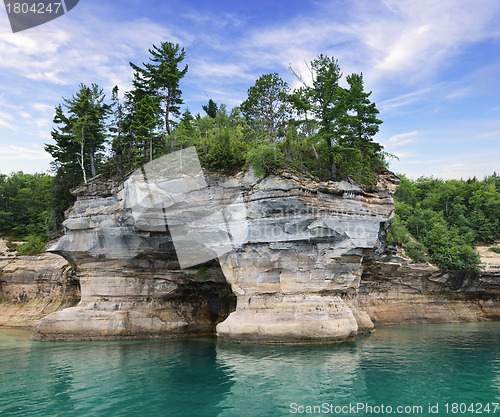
(291, 250)
(131, 283)
(282, 259)
(297, 276)
(32, 287)
(395, 290)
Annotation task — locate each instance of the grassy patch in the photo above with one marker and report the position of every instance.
(495, 249)
(34, 246)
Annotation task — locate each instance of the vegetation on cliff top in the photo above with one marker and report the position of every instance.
(322, 128)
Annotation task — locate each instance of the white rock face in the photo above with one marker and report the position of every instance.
(297, 318)
(302, 258)
(290, 248)
(131, 283)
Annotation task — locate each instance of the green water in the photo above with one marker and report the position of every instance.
(410, 366)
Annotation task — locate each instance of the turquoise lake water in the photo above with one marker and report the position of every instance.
(450, 369)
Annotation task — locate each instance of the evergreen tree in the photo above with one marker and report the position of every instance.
(325, 99)
(80, 137)
(81, 134)
(210, 109)
(359, 124)
(120, 145)
(161, 77)
(185, 131)
(267, 105)
(144, 124)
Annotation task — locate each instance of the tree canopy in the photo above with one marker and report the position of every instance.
(161, 77)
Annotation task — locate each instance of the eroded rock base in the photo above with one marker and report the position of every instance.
(289, 319)
(83, 323)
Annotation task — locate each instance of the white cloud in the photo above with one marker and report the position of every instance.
(81, 48)
(43, 107)
(5, 120)
(403, 138)
(404, 100)
(399, 43)
(206, 69)
(413, 39)
(214, 20)
(22, 153)
(404, 154)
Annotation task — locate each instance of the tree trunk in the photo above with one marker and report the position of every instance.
(314, 150)
(167, 125)
(80, 161)
(333, 167)
(93, 171)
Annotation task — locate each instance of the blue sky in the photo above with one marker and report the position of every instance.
(433, 67)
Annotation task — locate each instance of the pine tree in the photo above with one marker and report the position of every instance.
(161, 77)
(80, 137)
(325, 99)
(359, 124)
(210, 109)
(267, 105)
(81, 134)
(144, 124)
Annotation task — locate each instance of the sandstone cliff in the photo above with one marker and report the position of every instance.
(32, 287)
(395, 290)
(274, 260)
(290, 250)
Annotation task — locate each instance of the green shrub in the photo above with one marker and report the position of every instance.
(264, 158)
(225, 153)
(495, 249)
(34, 246)
(398, 233)
(12, 247)
(416, 251)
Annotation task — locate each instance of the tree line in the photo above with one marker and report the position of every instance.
(320, 128)
(440, 221)
(26, 210)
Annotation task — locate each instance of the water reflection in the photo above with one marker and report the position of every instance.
(412, 365)
(441, 363)
(276, 376)
(118, 378)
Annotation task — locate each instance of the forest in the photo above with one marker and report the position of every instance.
(325, 128)
(441, 221)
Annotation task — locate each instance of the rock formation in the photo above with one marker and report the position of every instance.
(282, 259)
(297, 276)
(396, 290)
(131, 283)
(294, 260)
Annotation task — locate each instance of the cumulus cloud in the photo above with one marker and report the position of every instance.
(412, 39)
(85, 47)
(393, 42)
